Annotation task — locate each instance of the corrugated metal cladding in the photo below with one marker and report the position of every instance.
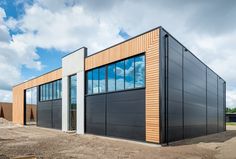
(117, 114)
(195, 95)
(49, 114)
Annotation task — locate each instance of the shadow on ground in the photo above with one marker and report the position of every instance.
(216, 138)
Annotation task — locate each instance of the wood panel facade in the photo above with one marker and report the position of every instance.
(18, 93)
(147, 43)
(6, 110)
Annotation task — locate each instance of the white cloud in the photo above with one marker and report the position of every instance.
(13, 54)
(5, 96)
(67, 25)
(231, 98)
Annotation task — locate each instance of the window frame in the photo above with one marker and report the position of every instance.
(48, 89)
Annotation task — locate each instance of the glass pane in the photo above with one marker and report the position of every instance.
(73, 102)
(43, 91)
(73, 91)
(120, 75)
(50, 91)
(28, 96)
(111, 77)
(89, 82)
(102, 79)
(55, 90)
(31, 106)
(95, 81)
(40, 95)
(60, 88)
(129, 73)
(34, 95)
(139, 71)
(46, 92)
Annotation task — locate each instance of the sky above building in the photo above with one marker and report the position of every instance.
(35, 34)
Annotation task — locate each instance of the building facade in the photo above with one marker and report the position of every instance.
(148, 88)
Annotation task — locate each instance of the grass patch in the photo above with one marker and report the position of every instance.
(231, 123)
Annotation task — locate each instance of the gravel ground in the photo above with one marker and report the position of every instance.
(34, 142)
(7, 124)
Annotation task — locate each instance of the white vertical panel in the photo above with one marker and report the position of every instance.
(65, 103)
(80, 102)
(73, 64)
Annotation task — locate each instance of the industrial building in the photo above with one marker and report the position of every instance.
(148, 88)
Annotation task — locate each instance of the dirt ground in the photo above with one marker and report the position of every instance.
(34, 142)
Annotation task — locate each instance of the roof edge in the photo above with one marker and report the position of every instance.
(36, 77)
(159, 27)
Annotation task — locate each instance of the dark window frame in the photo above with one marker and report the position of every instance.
(44, 90)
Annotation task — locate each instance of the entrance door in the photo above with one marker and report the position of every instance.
(72, 102)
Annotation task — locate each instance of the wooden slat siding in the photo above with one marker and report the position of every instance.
(148, 43)
(118, 52)
(152, 90)
(18, 93)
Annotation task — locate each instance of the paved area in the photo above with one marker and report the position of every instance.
(34, 142)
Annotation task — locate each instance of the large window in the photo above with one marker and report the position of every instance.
(90, 82)
(139, 71)
(129, 73)
(120, 72)
(72, 101)
(31, 106)
(102, 79)
(111, 77)
(50, 91)
(95, 81)
(122, 75)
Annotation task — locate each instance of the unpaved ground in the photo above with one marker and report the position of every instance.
(46, 143)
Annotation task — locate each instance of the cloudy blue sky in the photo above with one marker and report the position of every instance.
(35, 34)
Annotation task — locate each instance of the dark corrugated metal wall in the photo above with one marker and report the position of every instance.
(49, 114)
(195, 94)
(212, 125)
(118, 114)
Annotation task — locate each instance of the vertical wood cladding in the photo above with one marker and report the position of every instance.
(148, 43)
(18, 93)
(6, 110)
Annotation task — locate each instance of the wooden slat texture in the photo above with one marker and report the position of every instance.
(18, 93)
(148, 43)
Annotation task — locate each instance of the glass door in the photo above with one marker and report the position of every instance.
(72, 101)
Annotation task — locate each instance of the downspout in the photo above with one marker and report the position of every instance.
(166, 86)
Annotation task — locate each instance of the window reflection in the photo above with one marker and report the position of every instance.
(139, 71)
(126, 74)
(50, 91)
(54, 90)
(129, 73)
(31, 106)
(102, 79)
(95, 81)
(89, 82)
(73, 101)
(120, 75)
(111, 77)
